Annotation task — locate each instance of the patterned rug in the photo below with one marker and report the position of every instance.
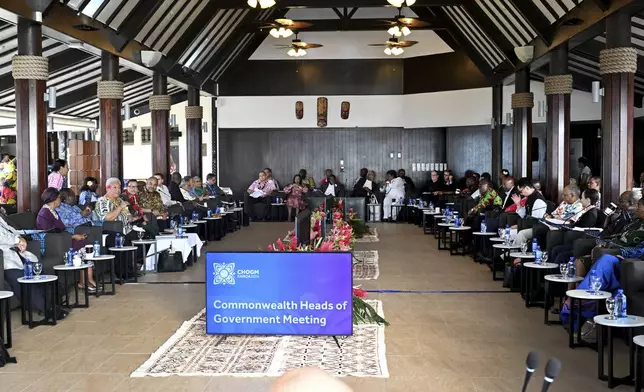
(365, 265)
(371, 237)
(191, 352)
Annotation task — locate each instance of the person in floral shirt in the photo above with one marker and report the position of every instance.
(489, 198)
(151, 202)
(112, 207)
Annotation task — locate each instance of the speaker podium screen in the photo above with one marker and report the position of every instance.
(279, 293)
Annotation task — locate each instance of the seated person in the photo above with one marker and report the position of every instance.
(569, 208)
(307, 180)
(112, 207)
(449, 182)
(629, 243)
(394, 191)
(88, 195)
(211, 186)
(434, 187)
(488, 198)
(164, 192)
(359, 189)
(269, 177)
(586, 218)
(7, 194)
(72, 215)
(331, 188)
(147, 222)
(14, 253)
(258, 204)
(175, 188)
(595, 183)
(508, 190)
(410, 187)
(48, 219)
(375, 186)
(152, 205)
(327, 173)
(295, 199)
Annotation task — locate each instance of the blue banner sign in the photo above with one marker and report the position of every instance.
(279, 293)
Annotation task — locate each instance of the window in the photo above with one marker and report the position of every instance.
(128, 136)
(146, 135)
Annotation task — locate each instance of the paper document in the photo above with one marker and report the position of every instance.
(555, 221)
(368, 184)
(257, 193)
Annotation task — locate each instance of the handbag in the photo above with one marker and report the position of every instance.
(170, 262)
(512, 276)
(5, 358)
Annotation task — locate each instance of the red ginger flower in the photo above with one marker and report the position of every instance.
(360, 293)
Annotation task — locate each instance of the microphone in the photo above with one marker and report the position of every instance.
(552, 371)
(531, 363)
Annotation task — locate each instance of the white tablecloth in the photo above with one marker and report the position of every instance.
(183, 245)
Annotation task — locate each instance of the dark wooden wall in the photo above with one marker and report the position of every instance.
(441, 72)
(244, 152)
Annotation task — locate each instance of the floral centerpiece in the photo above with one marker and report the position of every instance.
(339, 237)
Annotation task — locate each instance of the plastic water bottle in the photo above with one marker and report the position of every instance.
(507, 231)
(431, 206)
(209, 213)
(534, 245)
(572, 270)
(180, 231)
(537, 255)
(483, 226)
(70, 257)
(28, 269)
(118, 242)
(620, 304)
(97, 249)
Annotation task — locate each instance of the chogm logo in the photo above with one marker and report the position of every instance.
(224, 273)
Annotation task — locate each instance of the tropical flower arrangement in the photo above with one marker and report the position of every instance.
(340, 237)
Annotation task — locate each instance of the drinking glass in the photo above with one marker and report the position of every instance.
(610, 306)
(563, 268)
(595, 284)
(140, 235)
(524, 248)
(37, 268)
(544, 257)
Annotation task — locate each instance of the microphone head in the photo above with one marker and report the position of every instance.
(532, 361)
(552, 368)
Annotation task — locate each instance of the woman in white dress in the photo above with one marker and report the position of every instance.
(394, 190)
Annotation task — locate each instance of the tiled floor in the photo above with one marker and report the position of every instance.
(437, 342)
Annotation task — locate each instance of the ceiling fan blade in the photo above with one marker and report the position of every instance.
(299, 44)
(278, 46)
(377, 45)
(386, 22)
(413, 22)
(406, 44)
(268, 26)
(311, 46)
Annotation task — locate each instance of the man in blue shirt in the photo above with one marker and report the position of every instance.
(71, 215)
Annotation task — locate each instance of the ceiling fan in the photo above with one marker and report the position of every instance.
(297, 48)
(284, 28)
(395, 47)
(402, 25)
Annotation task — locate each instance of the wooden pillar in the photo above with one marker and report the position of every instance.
(31, 117)
(497, 131)
(522, 104)
(215, 138)
(111, 122)
(193, 135)
(617, 109)
(160, 126)
(558, 87)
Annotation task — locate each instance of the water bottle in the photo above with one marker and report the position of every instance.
(507, 231)
(534, 245)
(117, 242)
(620, 304)
(209, 213)
(537, 255)
(28, 269)
(181, 220)
(97, 249)
(180, 231)
(483, 226)
(431, 206)
(572, 270)
(70, 257)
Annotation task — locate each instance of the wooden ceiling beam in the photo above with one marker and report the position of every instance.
(490, 29)
(357, 25)
(535, 18)
(334, 3)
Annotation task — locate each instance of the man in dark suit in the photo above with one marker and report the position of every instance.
(331, 188)
(410, 187)
(508, 190)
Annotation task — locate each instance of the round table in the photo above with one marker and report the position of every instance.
(239, 212)
(5, 317)
(74, 270)
(99, 273)
(576, 296)
(505, 253)
(604, 325)
(203, 223)
(639, 343)
(277, 211)
(143, 244)
(454, 245)
(126, 255)
(26, 308)
(528, 268)
(442, 235)
(496, 239)
(215, 233)
(547, 296)
(427, 229)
